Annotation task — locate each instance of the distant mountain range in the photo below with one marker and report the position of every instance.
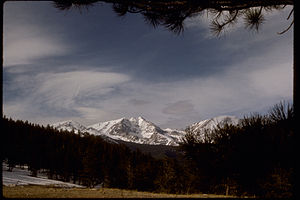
(138, 130)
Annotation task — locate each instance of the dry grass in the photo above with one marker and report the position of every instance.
(55, 192)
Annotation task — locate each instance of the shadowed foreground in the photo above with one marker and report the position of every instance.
(55, 192)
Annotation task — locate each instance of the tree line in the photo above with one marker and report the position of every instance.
(254, 157)
(83, 159)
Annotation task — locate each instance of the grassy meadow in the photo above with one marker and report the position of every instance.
(33, 191)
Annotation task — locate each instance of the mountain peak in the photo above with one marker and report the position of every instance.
(137, 119)
(70, 121)
(141, 118)
(222, 118)
(69, 125)
(203, 127)
(139, 130)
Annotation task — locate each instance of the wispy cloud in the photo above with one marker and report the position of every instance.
(23, 44)
(138, 102)
(279, 81)
(80, 88)
(178, 108)
(66, 92)
(170, 80)
(92, 96)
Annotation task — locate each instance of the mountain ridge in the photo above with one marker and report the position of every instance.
(139, 130)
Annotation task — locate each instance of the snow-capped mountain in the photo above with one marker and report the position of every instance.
(139, 130)
(136, 130)
(206, 126)
(70, 125)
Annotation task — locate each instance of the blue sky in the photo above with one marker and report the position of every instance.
(94, 66)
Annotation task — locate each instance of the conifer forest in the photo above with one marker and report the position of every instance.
(254, 157)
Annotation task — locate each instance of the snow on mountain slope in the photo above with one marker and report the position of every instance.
(213, 122)
(205, 126)
(175, 134)
(139, 130)
(136, 130)
(103, 127)
(69, 125)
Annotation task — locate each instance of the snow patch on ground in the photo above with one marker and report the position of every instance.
(20, 176)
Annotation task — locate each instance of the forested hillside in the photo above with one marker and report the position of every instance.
(254, 157)
(80, 158)
(257, 156)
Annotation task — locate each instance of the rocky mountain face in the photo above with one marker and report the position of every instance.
(206, 126)
(139, 130)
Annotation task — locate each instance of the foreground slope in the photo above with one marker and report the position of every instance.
(54, 192)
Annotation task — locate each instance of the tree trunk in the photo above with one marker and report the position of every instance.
(227, 189)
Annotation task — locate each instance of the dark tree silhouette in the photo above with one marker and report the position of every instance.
(256, 156)
(171, 14)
